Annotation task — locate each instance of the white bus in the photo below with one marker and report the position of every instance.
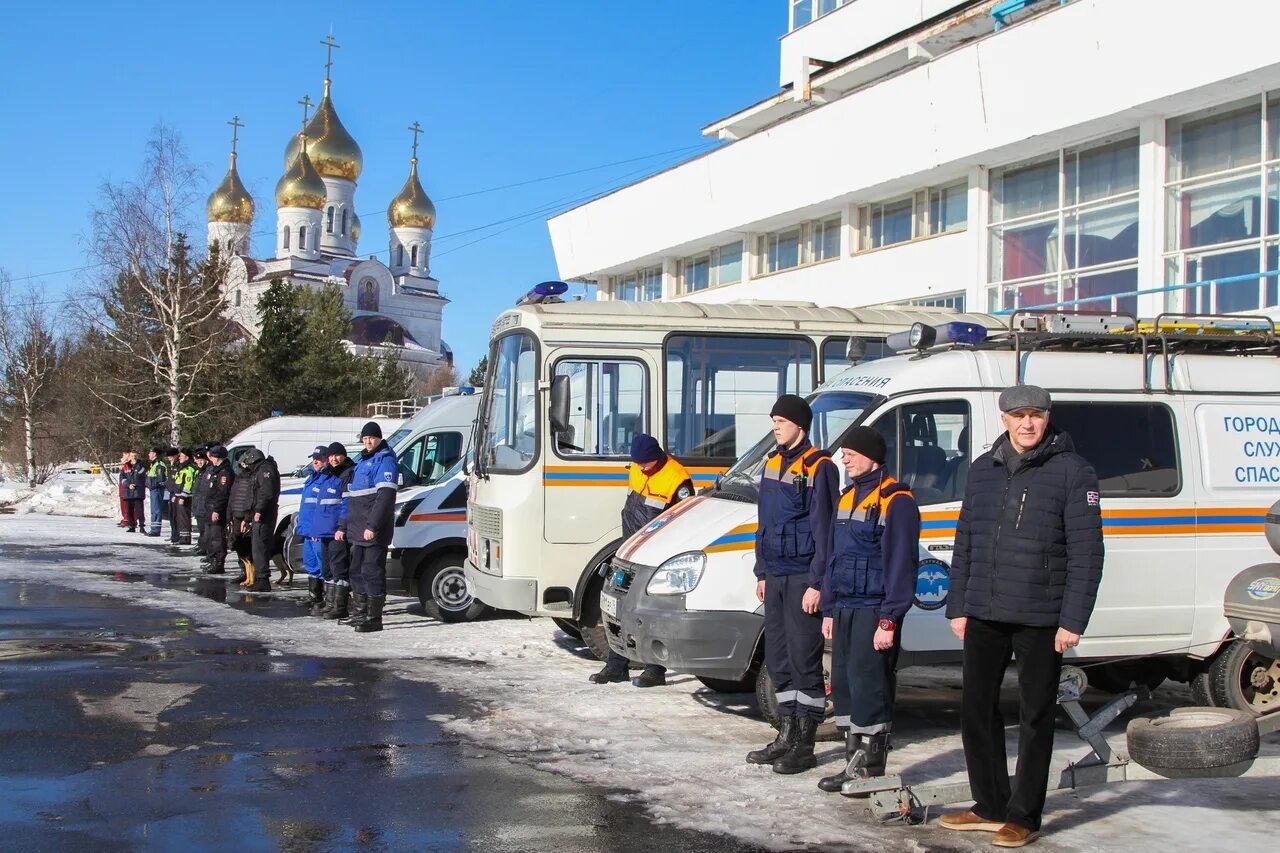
(570, 385)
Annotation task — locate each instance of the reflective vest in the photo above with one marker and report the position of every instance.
(858, 573)
(185, 479)
(785, 497)
(650, 495)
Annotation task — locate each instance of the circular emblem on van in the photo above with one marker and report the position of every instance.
(933, 582)
(656, 524)
(1264, 589)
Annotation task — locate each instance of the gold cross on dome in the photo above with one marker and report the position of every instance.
(329, 44)
(415, 128)
(306, 109)
(236, 124)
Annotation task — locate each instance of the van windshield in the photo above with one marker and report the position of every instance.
(833, 413)
(509, 422)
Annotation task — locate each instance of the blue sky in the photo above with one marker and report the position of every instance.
(507, 91)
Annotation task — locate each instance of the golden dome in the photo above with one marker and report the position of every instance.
(355, 227)
(301, 186)
(333, 151)
(411, 208)
(230, 202)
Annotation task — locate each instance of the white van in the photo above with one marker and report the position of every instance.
(1181, 421)
(430, 447)
(291, 438)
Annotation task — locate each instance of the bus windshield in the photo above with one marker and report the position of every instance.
(509, 422)
(833, 413)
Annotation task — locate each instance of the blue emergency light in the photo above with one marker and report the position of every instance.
(546, 291)
(922, 336)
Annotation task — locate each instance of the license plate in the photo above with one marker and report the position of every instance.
(609, 605)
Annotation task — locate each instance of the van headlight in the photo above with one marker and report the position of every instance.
(679, 575)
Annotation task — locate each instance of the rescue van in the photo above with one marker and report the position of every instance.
(570, 385)
(1180, 418)
(290, 438)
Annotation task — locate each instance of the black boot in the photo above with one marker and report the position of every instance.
(610, 674)
(800, 757)
(831, 784)
(653, 676)
(315, 594)
(341, 597)
(870, 761)
(359, 608)
(216, 565)
(326, 600)
(373, 619)
(261, 580)
(780, 746)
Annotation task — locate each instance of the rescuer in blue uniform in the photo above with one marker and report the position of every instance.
(798, 491)
(371, 503)
(867, 591)
(310, 525)
(338, 569)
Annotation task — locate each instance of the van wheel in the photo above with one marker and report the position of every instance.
(728, 685)
(1119, 677)
(767, 702)
(591, 622)
(1193, 739)
(444, 592)
(1243, 679)
(291, 548)
(1201, 690)
(568, 626)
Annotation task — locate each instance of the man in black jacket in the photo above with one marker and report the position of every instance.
(1024, 578)
(217, 494)
(264, 509)
(199, 498)
(338, 598)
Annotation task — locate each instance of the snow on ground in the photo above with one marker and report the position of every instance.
(677, 750)
(67, 493)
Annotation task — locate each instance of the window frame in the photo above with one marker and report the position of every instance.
(646, 414)
(328, 219)
(922, 225)
(714, 259)
(285, 243)
(894, 407)
(1172, 422)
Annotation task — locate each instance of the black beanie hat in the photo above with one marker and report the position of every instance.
(337, 448)
(645, 448)
(867, 441)
(794, 409)
(371, 429)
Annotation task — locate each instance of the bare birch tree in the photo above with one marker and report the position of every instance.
(29, 352)
(159, 310)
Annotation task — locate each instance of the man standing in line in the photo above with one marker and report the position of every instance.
(171, 492)
(369, 527)
(657, 482)
(184, 481)
(133, 485)
(339, 568)
(799, 488)
(199, 497)
(157, 476)
(264, 512)
(1024, 579)
(317, 515)
(868, 589)
(220, 478)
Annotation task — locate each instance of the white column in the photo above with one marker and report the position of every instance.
(979, 216)
(670, 279)
(1151, 214)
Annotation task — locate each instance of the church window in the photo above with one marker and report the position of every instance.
(413, 256)
(344, 221)
(285, 244)
(237, 298)
(328, 221)
(302, 236)
(399, 256)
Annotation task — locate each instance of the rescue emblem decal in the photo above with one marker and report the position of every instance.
(933, 582)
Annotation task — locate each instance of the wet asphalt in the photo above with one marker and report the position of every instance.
(126, 728)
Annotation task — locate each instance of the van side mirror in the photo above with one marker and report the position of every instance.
(558, 408)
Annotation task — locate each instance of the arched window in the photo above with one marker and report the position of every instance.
(344, 222)
(302, 236)
(328, 220)
(237, 298)
(413, 256)
(399, 256)
(286, 237)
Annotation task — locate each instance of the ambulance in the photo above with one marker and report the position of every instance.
(1180, 417)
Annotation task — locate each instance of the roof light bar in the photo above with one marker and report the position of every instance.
(922, 336)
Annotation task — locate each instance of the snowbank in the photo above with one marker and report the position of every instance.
(678, 749)
(69, 493)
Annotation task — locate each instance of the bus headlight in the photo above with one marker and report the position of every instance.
(679, 575)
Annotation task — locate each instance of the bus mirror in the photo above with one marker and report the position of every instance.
(559, 405)
(856, 350)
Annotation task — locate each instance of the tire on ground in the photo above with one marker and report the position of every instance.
(1243, 679)
(1193, 739)
(767, 703)
(746, 684)
(568, 626)
(443, 592)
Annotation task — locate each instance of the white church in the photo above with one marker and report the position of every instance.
(316, 237)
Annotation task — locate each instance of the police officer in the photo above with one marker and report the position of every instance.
(311, 525)
(240, 518)
(183, 478)
(157, 476)
(798, 491)
(868, 588)
(219, 492)
(338, 577)
(199, 497)
(369, 527)
(171, 491)
(657, 481)
(264, 510)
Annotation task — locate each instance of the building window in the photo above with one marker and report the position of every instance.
(302, 236)
(804, 11)
(925, 213)
(285, 243)
(948, 208)
(806, 243)
(328, 221)
(399, 256)
(1223, 186)
(942, 300)
(641, 286)
(892, 222)
(722, 265)
(237, 298)
(1065, 229)
(344, 222)
(413, 255)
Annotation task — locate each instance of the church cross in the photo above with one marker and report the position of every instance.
(306, 109)
(329, 44)
(236, 124)
(415, 128)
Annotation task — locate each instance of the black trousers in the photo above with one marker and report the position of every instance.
(339, 563)
(369, 570)
(216, 540)
(988, 647)
(793, 648)
(180, 530)
(863, 680)
(262, 536)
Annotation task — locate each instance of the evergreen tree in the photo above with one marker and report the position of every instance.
(277, 355)
(479, 372)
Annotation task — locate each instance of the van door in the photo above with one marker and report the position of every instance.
(930, 443)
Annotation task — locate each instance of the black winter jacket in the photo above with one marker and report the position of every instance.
(266, 489)
(1029, 542)
(200, 494)
(219, 490)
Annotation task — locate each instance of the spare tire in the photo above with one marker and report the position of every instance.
(1193, 739)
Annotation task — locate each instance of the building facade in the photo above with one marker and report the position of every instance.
(981, 155)
(317, 233)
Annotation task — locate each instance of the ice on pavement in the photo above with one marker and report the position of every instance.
(66, 493)
(678, 750)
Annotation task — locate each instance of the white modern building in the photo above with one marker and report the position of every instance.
(991, 154)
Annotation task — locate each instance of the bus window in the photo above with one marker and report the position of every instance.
(720, 390)
(606, 407)
(511, 422)
(835, 356)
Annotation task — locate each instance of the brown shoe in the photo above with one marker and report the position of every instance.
(1013, 835)
(969, 822)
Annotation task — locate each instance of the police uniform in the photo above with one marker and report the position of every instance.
(798, 491)
(184, 481)
(157, 476)
(869, 585)
(264, 510)
(371, 501)
(218, 494)
(199, 497)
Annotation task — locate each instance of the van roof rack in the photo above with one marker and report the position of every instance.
(1171, 333)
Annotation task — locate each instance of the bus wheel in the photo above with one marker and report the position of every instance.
(1243, 679)
(568, 626)
(444, 592)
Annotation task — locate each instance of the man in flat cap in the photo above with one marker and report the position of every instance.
(1024, 578)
